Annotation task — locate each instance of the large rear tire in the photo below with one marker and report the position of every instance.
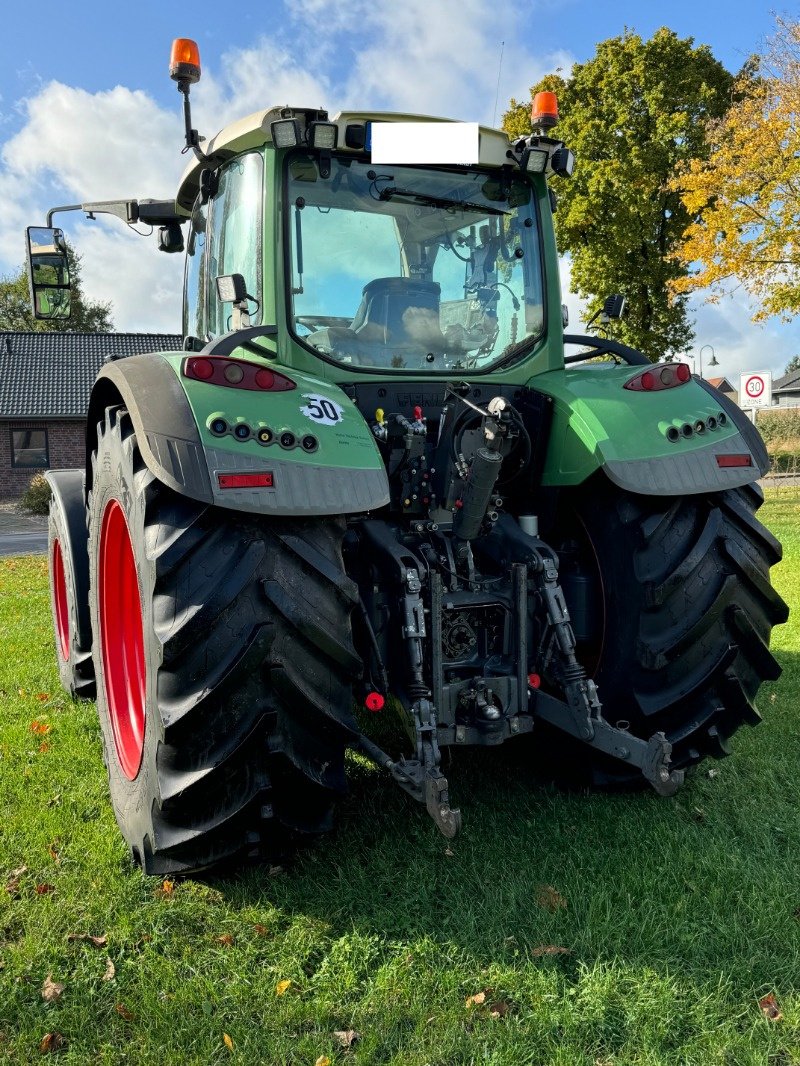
(684, 609)
(224, 660)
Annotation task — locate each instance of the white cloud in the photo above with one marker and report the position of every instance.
(76, 146)
(739, 344)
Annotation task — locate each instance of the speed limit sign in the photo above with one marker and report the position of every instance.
(755, 389)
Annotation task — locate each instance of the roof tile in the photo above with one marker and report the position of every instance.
(50, 375)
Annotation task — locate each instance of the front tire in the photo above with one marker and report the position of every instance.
(225, 663)
(684, 608)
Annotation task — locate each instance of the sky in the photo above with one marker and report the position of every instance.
(88, 112)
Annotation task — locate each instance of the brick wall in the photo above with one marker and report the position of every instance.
(65, 442)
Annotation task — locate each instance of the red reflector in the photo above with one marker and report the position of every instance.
(734, 460)
(534, 680)
(245, 481)
(201, 368)
(648, 381)
(265, 379)
(683, 372)
(374, 702)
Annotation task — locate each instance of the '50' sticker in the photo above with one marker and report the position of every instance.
(321, 410)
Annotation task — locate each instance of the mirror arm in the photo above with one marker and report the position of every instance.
(151, 212)
(55, 211)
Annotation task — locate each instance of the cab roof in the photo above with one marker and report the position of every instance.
(254, 130)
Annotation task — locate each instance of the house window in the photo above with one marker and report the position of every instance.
(29, 448)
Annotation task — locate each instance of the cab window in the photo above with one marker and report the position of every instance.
(195, 279)
(236, 234)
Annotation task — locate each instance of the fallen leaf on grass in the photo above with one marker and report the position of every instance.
(225, 939)
(549, 898)
(499, 1010)
(44, 889)
(166, 888)
(51, 990)
(449, 852)
(44, 747)
(42, 697)
(226, 1040)
(123, 1012)
(261, 929)
(323, 1060)
(346, 1037)
(41, 729)
(98, 941)
(51, 1042)
(14, 880)
(111, 970)
(769, 1008)
(476, 1000)
(550, 949)
(282, 987)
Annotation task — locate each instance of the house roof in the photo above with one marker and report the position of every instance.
(722, 384)
(50, 375)
(789, 382)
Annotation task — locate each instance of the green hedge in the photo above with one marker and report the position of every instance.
(36, 499)
(777, 425)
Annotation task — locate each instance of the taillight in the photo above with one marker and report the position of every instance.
(661, 376)
(235, 374)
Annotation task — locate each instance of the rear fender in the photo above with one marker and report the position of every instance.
(67, 496)
(171, 416)
(600, 425)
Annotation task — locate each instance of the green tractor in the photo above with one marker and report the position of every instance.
(371, 477)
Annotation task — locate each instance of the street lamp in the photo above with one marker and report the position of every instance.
(713, 361)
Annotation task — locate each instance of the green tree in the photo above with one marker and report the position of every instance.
(632, 114)
(792, 365)
(16, 312)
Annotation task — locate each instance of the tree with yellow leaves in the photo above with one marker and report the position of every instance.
(744, 199)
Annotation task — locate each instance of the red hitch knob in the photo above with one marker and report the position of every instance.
(534, 681)
(374, 702)
(417, 414)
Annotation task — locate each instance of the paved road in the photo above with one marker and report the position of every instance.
(23, 543)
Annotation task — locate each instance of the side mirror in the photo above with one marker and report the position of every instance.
(48, 272)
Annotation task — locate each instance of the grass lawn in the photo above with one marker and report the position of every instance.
(672, 918)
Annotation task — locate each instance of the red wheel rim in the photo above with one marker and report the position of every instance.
(60, 600)
(122, 639)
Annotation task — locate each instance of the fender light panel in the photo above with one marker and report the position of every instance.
(235, 374)
(662, 376)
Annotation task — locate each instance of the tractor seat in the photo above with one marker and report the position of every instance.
(399, 312)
